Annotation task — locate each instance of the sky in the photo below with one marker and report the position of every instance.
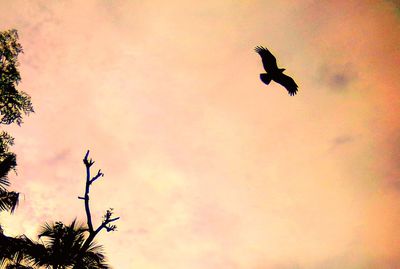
(207, 166)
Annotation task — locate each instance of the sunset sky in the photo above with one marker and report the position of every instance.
(207, 167)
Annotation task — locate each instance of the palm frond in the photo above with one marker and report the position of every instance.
(8, 200)
(7, 163)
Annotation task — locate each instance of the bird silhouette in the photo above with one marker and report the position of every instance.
(273, 72)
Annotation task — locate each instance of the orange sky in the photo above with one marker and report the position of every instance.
(207, 166)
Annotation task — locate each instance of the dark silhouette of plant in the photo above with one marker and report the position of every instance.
(62, 246)
(13, 104)
(8, 199)
(16, 250)
(107, 218)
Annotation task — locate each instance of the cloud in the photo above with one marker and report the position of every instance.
(343, 139)
(337, 77)
(59, 157)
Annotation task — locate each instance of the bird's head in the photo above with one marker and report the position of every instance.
(282, 69)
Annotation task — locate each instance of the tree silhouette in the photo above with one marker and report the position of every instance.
(13, 104)
(16, 250)
(8, 199)
(107, 218)
(61, 246)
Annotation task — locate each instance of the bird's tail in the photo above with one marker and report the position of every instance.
(265, 77)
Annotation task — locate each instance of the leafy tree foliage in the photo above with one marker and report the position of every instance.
(8, 199)
(13, 103)
(60, 246)
(8, 162)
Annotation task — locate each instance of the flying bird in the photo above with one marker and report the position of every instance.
(273, 72)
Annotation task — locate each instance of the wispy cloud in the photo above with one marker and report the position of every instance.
(337, 77)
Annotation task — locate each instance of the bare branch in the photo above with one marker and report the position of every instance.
(107, 220)
(99, 174)
(86, 161)
(106, 225)
(88, 164)
(86, 155)
(114, 219)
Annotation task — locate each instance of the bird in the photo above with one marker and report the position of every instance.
(273, 72)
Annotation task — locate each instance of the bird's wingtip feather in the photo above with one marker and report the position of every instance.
(258, 49)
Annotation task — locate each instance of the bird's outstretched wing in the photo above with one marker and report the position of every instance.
(268, 60)
(286, 82)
